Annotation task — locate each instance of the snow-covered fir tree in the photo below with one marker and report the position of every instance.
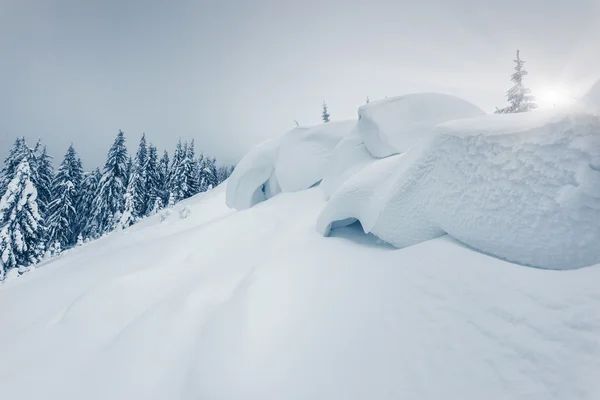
(110, 203)
(325, 114)
(177, 179)
(208, 174)
(11, 163)
(518, 96)
(153, 184)
(19, 221)
(192, 171)
(42, 177)
(62, 222)
(88, 225)
(164, 172)
(137, 178)
(223, 173)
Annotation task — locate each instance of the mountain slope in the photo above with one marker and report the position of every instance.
(256, 304)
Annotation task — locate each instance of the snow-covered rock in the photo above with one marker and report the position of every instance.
(245, 186)
(524, 187)
(395, 125)
(304, 152)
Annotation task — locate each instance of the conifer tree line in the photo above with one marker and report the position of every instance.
(44, 211)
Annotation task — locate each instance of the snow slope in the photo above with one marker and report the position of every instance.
(256, 305)
(522, 187)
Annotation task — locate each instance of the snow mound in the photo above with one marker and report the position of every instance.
(525, 188)
(291, 162)
(304, 152)
(394, 125)
(246, 185)
(347, 158)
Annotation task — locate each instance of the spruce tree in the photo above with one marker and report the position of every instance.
(177, 184)
(11, 163)
(518, 96)
(153, 185)
(110, 203)
(163, 177)
(325, 115)
(62, 222)
(42, 177)
(87, 224)
(192, 172)
(19, 221)
(138, 180)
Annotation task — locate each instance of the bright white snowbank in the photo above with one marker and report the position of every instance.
(395, 125)
(245, 186)
(292, 162)
(304, 153)
(199, 308)
(348, 157)
(523, 187)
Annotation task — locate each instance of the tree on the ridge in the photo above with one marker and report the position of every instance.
(19, 221)
(192, 170)
(87, 224)
(208, 174)
(42, 177)
(164, 172)
(325, 115)
(177, 179)
(153, 184)
(62, 222)
(518, 96)
(110, 203)
(223, 173)
(11, 163)
(137, 179)
(368, 100)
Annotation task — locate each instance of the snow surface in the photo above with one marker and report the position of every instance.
(347, 158)
(294, 161)
(523, 187)
(304, 153)
(395, 125)
(245, 186)
(198, 308)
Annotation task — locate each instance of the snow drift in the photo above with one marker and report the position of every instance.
(198, 308)
(522, 187)
(394, 125)
(304, 153)
(291, 162)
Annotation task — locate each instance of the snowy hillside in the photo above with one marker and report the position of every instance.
(208, 302)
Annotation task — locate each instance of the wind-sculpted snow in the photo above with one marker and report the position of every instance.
(292, 162)
(348, 157)
(245, 186)
(395, 125)
(304, 153)
(525, 188)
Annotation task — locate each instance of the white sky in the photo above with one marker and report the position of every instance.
(232, 73)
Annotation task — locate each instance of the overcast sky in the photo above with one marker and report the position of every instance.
(232, 73)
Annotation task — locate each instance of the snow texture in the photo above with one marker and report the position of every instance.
(523, 187)
(295, 161)
(347, 158)
(395, 125)
(245, 186)
(198, 308)
(304, 153)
